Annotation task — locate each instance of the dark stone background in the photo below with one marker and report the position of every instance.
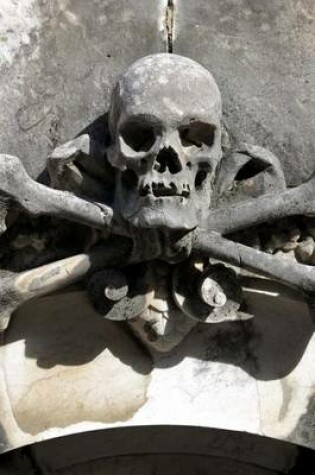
(260, 52)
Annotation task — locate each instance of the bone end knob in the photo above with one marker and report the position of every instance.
(211, 293)
(116, 286)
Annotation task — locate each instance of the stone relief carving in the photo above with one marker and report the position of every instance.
(164, 214)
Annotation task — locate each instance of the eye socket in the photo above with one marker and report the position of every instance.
(138, 136)
(197, 134)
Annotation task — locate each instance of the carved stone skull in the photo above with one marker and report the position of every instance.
(164, 123)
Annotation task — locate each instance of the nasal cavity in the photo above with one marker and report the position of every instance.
(167, 159)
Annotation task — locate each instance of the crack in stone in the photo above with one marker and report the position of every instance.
(169, 24)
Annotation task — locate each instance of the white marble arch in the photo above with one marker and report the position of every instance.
(65, 370)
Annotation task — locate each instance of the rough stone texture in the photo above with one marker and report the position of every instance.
(262, 57)
(58, 63)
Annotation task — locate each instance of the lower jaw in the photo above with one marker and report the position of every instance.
(164, 217)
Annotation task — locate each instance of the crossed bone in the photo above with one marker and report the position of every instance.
(17, 187)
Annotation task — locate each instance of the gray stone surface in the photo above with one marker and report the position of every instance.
(165, 142)
(60, 59)
(262, 57)
(58, 63)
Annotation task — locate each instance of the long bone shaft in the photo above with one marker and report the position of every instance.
(298, 276)
(16, 289)
(269, 207)
(38, 199)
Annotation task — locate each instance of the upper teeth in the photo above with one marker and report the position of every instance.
(164, 187)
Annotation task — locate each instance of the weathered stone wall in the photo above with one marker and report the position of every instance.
(262, 56)
(58, 62)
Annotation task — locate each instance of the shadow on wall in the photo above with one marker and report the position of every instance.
(99, 135)
(4, 443)
(63, 329)
(65, 365)
(268, 347)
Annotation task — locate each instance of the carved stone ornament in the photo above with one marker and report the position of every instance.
(164, 218)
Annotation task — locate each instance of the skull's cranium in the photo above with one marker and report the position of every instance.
(164, 123)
